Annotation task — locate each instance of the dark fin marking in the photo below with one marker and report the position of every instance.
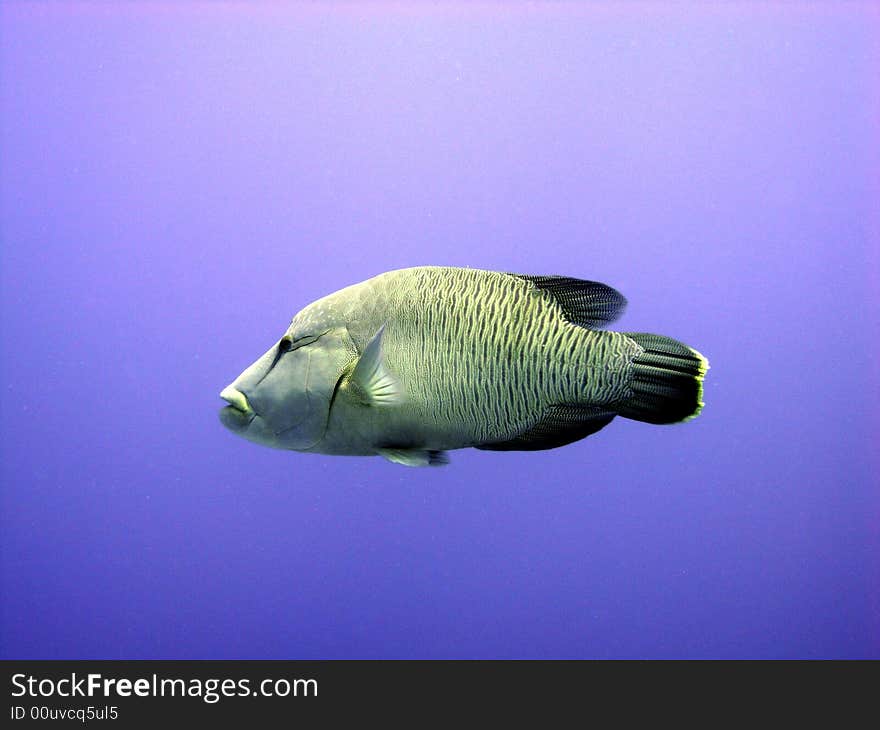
(667, 381)
(415, 457)
(585, 303)
(560, 425)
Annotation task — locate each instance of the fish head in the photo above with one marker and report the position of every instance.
(283, 399)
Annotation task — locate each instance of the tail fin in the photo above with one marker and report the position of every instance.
(667, 381)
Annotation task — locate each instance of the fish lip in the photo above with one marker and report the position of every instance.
(237, 400)
(239, 414)
(235, 419)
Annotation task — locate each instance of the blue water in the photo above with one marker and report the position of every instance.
(177, 180)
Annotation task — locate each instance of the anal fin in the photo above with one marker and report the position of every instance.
(560, 425)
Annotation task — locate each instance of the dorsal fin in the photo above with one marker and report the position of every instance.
(559, 426)
(585, 303)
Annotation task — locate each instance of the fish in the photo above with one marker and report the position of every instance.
(417, 362)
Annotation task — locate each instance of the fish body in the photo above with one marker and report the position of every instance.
(416, 362)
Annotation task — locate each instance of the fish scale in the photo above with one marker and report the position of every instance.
(459, 338)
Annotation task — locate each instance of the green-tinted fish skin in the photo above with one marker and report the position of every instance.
(479, 353)
(473, 358)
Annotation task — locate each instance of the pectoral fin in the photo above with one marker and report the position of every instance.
(371, 380)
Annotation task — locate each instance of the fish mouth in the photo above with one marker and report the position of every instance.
(236, 399)
(238, 414)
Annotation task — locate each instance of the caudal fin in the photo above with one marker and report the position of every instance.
(667, 381)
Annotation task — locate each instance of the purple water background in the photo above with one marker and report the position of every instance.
(177, 180)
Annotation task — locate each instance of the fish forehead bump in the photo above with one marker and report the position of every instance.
(328, 311)
(357, 302)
